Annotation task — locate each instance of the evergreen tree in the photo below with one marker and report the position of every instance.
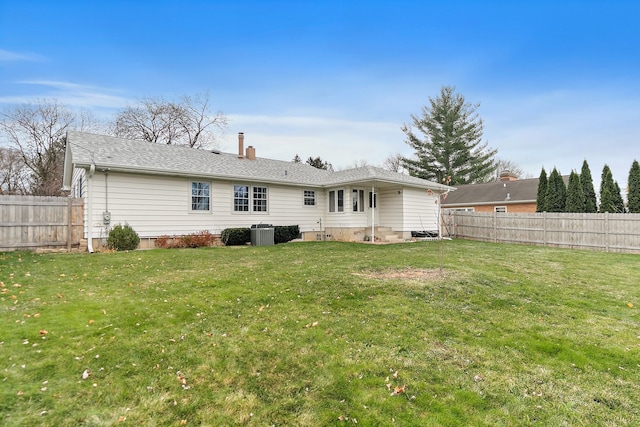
(542, 192)
(556, 196)
(607, 191)
(633, 193)
(617, 198)
(590, 202)
(575, 196)
(452, 145)
(318, 163)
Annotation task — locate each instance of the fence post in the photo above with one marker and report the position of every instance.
(606, 231)
(69, 223)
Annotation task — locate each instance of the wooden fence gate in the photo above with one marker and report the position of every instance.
(39, 222)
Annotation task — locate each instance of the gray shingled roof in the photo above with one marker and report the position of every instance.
(519, 191)
(118, 154)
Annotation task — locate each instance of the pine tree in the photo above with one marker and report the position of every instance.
(590, 202)
(617, 198)
(575, 196)
(607, 191)
(633, 192)
(556, 196)
(452, 145)
(542, 192)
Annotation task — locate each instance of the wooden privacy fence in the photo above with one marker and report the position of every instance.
(37, 222)
(610, 232)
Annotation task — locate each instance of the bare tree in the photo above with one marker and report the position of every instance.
(187, 121)
(38, 131)
(359, 163)
(394, 163)
(13, 172)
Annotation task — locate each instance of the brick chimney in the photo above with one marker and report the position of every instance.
(240, 145)
(251, 153)
(506, 175)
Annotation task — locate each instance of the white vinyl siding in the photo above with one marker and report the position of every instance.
(155, 206)
(420, 210)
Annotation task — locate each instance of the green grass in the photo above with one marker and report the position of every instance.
(312, 334)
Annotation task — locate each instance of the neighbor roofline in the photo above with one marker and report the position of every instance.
(499, 202)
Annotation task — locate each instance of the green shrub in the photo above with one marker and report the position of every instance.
(235, 236)
(285, 233)
(123, 238)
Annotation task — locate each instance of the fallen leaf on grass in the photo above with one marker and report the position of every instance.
(399, 390)
(122, 419)
(183, 422)
(43, 332)
(630, 305)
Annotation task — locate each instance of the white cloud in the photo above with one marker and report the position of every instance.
(102, 101)
(339, 141)
(8, 56)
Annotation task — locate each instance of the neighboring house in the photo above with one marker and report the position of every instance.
(507, 195)
(174, 190)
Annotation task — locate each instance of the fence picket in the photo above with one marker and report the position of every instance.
(610, 232)
(40, 222)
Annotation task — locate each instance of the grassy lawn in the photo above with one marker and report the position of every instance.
(321, 334)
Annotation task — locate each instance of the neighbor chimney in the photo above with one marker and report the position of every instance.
(506, 175)
(240, 145)
(251, 153)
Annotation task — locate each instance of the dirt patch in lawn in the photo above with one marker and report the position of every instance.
(405, 273)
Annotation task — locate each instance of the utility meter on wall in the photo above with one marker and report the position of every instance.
(106, 216)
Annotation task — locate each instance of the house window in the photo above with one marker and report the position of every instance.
(309, 198)
(259, 199)
(200, 196)
(245, 196)
(336, 201)
(357, 200)
(500, 209)
(241, 198)
(373, 199)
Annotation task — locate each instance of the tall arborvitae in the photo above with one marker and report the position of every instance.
(617, 198)
(633, 195)
(607, 191)
(556, 196)
(542, 192)
(575, 197)
(590, 202)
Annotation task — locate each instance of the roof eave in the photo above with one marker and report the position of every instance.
(497, 202)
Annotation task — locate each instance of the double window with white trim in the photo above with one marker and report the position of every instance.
(246, 196)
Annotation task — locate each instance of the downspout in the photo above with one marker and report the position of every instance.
(92, 170)
(373, 214)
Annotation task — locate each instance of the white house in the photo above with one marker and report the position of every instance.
(174, 190)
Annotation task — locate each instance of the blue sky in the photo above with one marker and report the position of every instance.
(557, 81)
